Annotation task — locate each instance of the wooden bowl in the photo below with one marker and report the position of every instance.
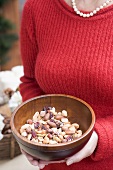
(78, 111)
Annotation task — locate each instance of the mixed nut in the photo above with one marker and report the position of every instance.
(50, 127)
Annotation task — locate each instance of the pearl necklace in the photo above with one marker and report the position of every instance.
(91, 13)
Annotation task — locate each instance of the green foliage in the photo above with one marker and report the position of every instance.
(5, 25)
(6, 38)
(6, 42)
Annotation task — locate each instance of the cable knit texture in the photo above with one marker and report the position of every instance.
(65, 53)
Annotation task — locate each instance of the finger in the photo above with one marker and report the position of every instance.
(87, 150)
(29, 157)
(50, 162)
(41, 166)
(91, 145)
(34, 162)
(22, 151)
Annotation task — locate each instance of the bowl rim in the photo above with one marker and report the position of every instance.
(14, 131)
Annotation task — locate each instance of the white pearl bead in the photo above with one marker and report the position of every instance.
(74, 6)
(78, 12)
(101, 7)
(97, 9)
(73, 3)
(91, 14)
(84, 15)
(104, 4)
(81, 14)
(75, 9)
(94, 12)
(88, 15)
(107, 2)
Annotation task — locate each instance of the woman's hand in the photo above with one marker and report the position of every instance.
(86, 151)
(40, 163)
(30, 158)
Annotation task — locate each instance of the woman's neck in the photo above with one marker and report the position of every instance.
(87, 5)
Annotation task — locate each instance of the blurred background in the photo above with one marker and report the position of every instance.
(10, 19)
(10, 72)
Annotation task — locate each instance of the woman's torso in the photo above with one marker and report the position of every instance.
(75, 54)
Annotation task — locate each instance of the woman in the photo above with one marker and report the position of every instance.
(67, 48)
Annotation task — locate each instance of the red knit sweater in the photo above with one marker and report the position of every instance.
(65, 53)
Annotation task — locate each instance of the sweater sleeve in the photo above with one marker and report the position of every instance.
(104, 129)
(29, 49)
